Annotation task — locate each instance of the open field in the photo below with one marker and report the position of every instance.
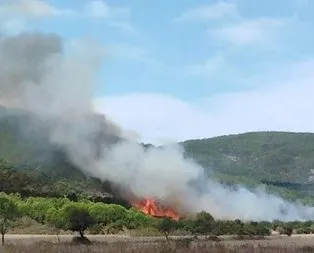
(306, 240)
(101, 243)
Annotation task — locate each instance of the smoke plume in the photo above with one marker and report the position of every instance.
(37, 74)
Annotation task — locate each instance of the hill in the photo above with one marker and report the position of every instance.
(276, 156)
(31, 165)
(282, 161)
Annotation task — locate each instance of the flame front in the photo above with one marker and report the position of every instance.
(151, 207)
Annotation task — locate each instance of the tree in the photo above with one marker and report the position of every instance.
(78, 219)
(287, 229)
(239, 228)
(115, 227)
(204, 224)
(8, 213)
(262, 230)
(54, 218)
(166, 226)
(5, 165)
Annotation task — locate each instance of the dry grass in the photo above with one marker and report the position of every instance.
(283, 245)
(26, 225)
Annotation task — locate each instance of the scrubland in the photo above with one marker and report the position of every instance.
(113, 244)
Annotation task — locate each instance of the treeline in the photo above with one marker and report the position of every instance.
(100, 218)
(31, 182)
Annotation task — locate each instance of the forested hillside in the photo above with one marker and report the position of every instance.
(283, 161)
(30, 165)
(275, 156)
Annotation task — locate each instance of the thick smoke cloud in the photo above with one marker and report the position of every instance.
(56, 85)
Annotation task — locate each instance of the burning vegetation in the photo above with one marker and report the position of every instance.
(155, 209)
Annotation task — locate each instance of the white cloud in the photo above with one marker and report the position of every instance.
(23, 10)
(15, 14)
(283, 105)
(100, 9)
(210, 67)
(116, 16)
(42, 9)
(233, 26)
(124, 26)
(34, 9)
(137, 53)
(246, 32)
(127, 51)
(218, 10)
(12, 26)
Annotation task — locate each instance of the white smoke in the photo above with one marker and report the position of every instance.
(57, 87)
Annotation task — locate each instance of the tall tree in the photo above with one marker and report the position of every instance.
(8, 213)
(78, 219)
(204, 224)
(166, 226)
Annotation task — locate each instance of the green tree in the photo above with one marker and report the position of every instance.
(204, 224)
(55, 219)
(287, 229)
(262, 230)
(239, 228)
(115, 227)
(166, 226)
(135, 219)
(5, 165)
(78, 219)
(8, 213)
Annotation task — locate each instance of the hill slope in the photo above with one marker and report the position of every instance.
(281, 160)
(31, 165)
(274, 156)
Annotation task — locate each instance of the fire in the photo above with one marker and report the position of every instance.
(151, 207)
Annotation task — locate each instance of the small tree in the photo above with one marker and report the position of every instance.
(55, 219)
(287, 229)
(78, 219)
(8, 213)
(204, 224)
(239, 228)
(115, 227)
(262, 230)
(166, 226)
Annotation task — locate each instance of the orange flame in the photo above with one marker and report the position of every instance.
(151, 207)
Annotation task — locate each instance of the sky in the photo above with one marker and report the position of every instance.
(186, 69)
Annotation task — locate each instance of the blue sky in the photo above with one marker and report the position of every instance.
(175, 70)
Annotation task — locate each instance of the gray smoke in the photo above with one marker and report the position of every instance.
(56, 85)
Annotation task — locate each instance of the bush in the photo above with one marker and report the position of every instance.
(81, 240)
(303, 230)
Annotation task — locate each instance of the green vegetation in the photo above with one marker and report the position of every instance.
(166, 226)
(44, 186)
(273, 156)
(78, 219)
(8, 213)
(281, 161)
(100, 218)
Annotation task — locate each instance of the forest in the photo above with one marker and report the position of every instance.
(85, 216)
(57, 195)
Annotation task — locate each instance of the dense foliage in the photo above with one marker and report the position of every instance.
(53, 192)
(282, 161)
(8, 213)
(100, 218)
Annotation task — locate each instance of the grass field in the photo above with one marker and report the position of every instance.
(113, 244)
